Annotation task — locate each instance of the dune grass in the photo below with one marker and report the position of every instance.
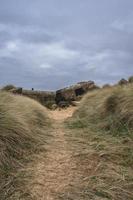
(109, 109)
(103, 125)
(23, 132)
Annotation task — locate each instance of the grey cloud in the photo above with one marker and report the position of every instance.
(51, 44)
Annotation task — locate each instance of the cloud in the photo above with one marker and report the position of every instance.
(124, 24)
(38, 54)
(51, 44)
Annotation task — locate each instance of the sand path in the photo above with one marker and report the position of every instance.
(56, 171)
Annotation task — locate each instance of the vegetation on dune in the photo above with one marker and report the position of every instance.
(8, 87)
(109, 109)
(130, 79)
(99, 145)
(23, 128)
(103, 125)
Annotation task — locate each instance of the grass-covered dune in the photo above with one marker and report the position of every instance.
(109, 109)
(103, 125)
(23, 130)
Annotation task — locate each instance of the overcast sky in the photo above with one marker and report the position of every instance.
(49, 44)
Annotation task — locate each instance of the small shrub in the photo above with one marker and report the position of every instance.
(123, 82)
(130, 79)
(49, 104)
(8, 87)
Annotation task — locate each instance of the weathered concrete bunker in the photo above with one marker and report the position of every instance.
(73, 92)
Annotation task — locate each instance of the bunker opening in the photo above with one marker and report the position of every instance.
(79, 91)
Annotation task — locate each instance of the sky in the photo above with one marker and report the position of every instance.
(50, 44)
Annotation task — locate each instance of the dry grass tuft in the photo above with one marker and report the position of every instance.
(23, 129)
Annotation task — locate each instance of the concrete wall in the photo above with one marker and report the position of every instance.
(43, 97)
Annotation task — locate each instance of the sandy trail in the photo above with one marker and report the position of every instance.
(55, 172)
(61, 115)
(59, 174)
